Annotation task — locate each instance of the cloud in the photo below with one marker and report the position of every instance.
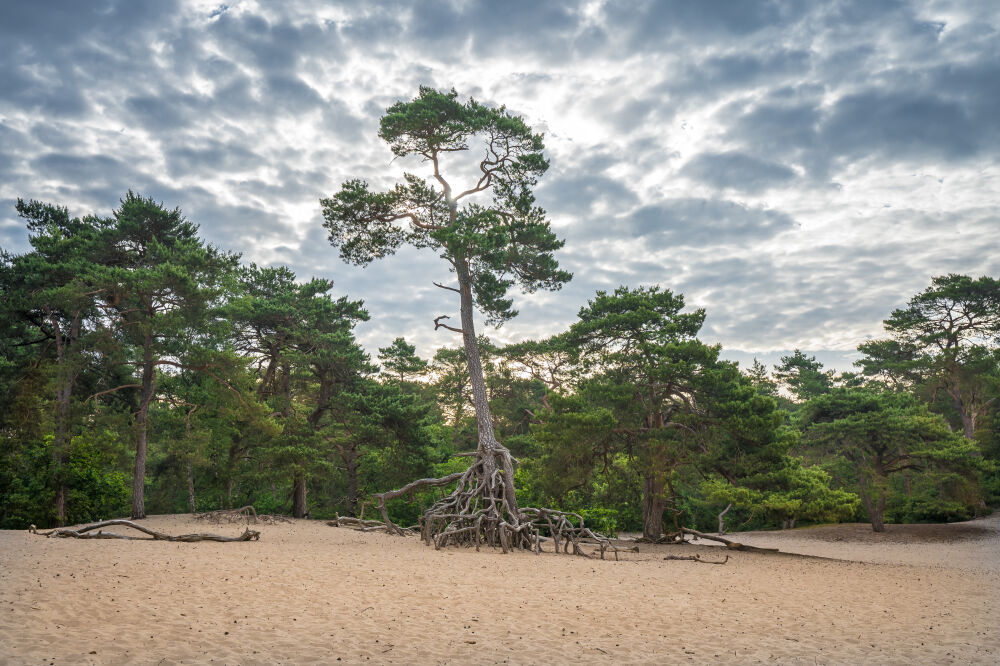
(796, 168)
(688, 221)
(737, 171)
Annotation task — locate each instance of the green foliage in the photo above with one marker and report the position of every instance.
(401, 360)
(803, 376)
(878, 435)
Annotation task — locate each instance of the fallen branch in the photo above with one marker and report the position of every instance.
(731, 545)
(694, 558)
(366, 525)
(87, 532)
(245, 513)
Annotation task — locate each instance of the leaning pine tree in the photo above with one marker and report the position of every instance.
(494, 237)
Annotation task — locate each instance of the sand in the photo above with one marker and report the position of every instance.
(309, 593)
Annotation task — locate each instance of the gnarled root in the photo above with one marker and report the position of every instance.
(482, 509)
(87, 532)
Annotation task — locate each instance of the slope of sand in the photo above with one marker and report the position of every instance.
(309, 593)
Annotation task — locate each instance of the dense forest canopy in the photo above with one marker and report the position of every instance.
(146, 371)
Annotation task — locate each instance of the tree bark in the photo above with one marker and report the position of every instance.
(875, 508)
(141, 422)
(653, 504)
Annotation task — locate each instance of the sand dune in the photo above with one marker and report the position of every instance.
(309, 593)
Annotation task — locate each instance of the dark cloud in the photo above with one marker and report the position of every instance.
(737, 171)
(682, 222)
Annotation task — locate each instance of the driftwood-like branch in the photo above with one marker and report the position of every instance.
(245, 513)
(87, 532)
(363, 525)
(695, 558)
(731, 545)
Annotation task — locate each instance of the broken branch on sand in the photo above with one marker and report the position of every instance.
(87, 532)
(731, 545)
(695, 558)
(247, 513)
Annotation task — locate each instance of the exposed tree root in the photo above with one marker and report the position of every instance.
(245, 513)
(482, 510)
(88, 533)
(695, 558)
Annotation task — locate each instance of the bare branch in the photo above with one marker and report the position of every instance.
(117, 388)
(436, 284)
(438, 324)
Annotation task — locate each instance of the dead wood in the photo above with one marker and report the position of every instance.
(363, 525)
(245, 513)
(695, 558)
(731, 545)
(87, 532)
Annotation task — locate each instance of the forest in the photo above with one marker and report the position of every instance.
(146, 371)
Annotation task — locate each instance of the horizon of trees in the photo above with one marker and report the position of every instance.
(144, 370)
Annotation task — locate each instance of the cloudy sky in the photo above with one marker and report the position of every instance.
(797, 168)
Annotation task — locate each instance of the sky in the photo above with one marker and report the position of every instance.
(797, 168)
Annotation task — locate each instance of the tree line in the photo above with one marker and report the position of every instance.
(144, 369)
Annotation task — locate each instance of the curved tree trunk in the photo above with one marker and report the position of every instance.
(488, 445)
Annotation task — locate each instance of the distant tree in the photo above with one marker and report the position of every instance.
(879, 435)
(761, 379)
(803, 376)
(656, 394)
(158, 281)
(490, 242)
(52, 290)
(400, 358)
(947, 335)
(301, 338)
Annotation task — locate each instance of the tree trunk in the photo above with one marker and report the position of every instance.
(653, 504)
(964, 410)
(874, 506)
(299, 496)
(488, 445)
(190, 484)
(141, 421)
(64, 391)
(352, 487)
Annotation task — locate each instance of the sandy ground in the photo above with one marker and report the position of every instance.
(309, 593)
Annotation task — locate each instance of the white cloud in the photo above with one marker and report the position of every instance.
(798, 169)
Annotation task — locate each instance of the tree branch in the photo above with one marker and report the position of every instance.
(436, 284)
(438, 324)
(117, 388)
